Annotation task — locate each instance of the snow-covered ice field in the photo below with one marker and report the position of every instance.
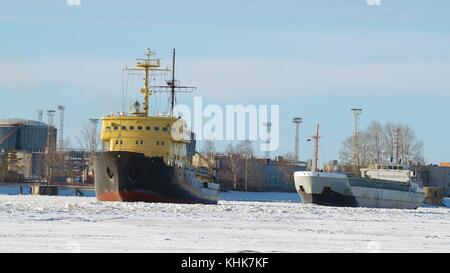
(81, 224)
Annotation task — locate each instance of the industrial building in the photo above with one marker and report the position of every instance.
(30, 141)
(29, 152)
(437, 176)
(25, 135)
(257, 174)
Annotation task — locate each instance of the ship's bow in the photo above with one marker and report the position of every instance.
(328, 189)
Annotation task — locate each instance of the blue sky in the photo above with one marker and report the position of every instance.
(316, 59)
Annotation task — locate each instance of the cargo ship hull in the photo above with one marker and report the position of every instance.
(134, 177)
(337, 190)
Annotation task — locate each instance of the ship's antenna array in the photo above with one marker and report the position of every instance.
(149, 66)
(173, 86)
(297, 122)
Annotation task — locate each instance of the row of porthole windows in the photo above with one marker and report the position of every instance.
(139, 128)
(141, 142)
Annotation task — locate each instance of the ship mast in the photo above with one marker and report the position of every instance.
(316, 154)
(172, 85)
(146, 90)
(147, 65)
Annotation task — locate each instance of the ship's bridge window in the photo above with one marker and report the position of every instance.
(131, 127)
(124, 127)
(148, 128)
(164, 129)
(116, 128)
(140, 128)
(156, 128)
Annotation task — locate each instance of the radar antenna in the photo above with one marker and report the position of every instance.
(172, 86)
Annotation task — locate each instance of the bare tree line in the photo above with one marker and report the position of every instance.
(235, 153)
(388, 143)
(237, 162)
(89, 141)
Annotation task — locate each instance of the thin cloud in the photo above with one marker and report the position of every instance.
(227, 78)
(272, 79)
(84, 75)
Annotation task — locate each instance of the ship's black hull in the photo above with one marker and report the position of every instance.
(330, 199)
(133, 177)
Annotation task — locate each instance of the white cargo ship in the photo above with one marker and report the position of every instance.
(380, 186)
(383, 186)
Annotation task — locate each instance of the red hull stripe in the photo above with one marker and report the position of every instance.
(140, 197)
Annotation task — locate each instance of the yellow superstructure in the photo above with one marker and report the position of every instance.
(154, 136)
